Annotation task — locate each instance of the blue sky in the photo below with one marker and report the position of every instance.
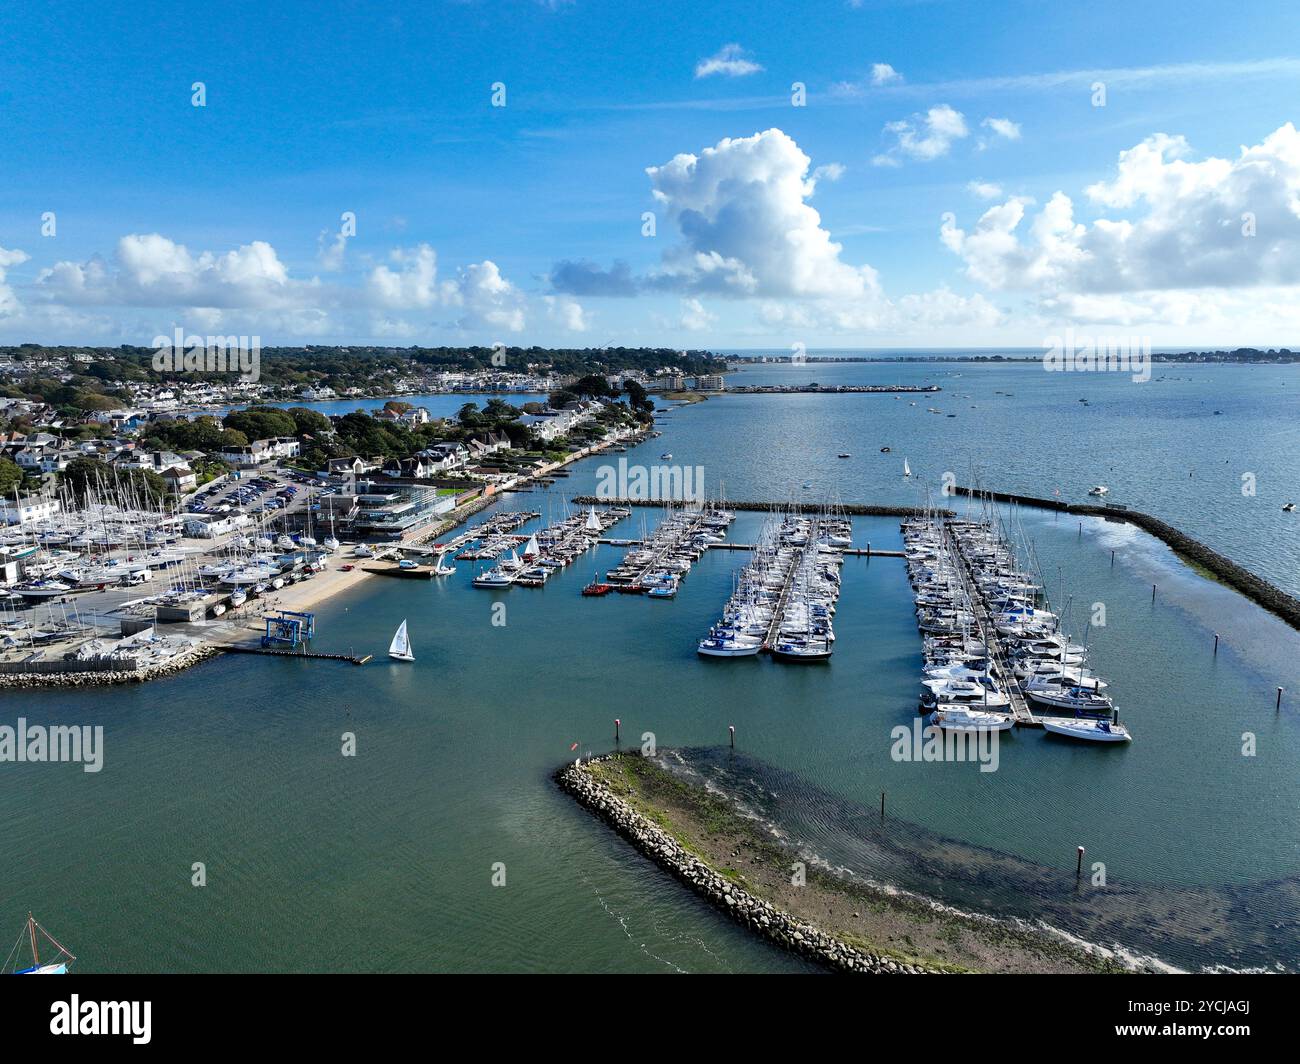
(775, 224)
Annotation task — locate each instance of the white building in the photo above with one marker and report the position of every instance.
(24, 511)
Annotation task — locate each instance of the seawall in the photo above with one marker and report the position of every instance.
(854, 509)
(759, 916)
(98, 676)
(1224, 569)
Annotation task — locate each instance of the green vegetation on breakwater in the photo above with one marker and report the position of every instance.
(905, 928)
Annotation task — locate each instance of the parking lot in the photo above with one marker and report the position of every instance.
(270, 491)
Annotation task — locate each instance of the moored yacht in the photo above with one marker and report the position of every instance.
(1093, 731)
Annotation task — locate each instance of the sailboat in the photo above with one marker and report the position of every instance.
(58, 966)
(400, 647)
(907, 469)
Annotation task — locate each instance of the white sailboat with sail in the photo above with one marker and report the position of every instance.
(907, 469)
(400, 647)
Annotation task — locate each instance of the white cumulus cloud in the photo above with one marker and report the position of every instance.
(729, 61)
(1190, 231)
(924, 137)
(746, 227)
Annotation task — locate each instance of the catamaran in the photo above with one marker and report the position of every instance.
(58, 966)
(400, 647)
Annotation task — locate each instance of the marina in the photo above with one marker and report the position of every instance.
(785, 597)
(548, 550)
(658, 564)
(995, 657)
(847, 704)
(529, 488)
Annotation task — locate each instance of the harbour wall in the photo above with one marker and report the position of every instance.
(1240, 579)
(759, 916)
(88, 674)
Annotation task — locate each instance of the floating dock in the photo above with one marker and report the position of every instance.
(999, 666)
(296, 654)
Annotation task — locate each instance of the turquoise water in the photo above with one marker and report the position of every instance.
(384, 861)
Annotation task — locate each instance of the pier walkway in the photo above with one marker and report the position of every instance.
(853, 552)
(998, 662)
(311, 654)
(787, 583)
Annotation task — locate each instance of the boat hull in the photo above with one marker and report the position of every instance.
(1088, 731)
(728, 652)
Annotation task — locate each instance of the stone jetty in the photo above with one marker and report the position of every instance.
(759, 916)
(74, 677)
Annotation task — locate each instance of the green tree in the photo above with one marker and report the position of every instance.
(261, 422)
(310, 422)
(11, 475)
(85, 475)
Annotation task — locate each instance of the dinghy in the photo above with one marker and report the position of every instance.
(400, 648)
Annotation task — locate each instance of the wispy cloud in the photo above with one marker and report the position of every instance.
(1003, 127)
(1133, 77)
(884, 74)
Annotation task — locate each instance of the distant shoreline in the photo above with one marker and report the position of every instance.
(1190, 358)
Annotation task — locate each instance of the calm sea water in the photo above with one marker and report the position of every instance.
(384, 861)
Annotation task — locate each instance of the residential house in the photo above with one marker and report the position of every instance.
(447, 455)
(24, 511)
(180, 479)
(416, 468)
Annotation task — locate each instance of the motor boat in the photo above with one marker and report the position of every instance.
(966, 719)
(495, 577)
(42, 589)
